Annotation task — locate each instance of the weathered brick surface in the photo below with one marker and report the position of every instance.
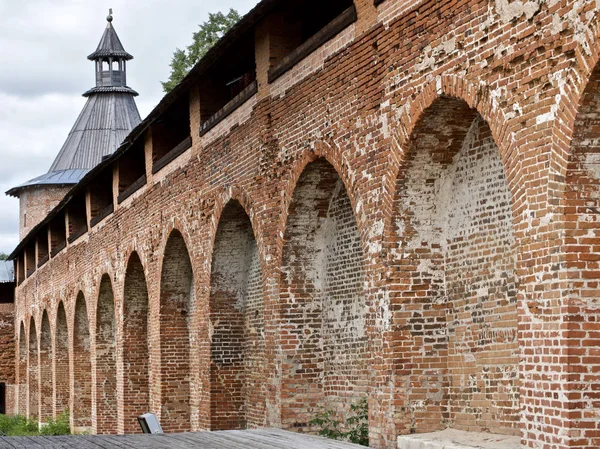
(7, 347)
(34, 205)
(136, 394)
(419, 195)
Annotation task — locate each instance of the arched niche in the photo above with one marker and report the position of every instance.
(34, 373)
(106, 360)
(453, 278)
(22, 366)
(46, 384)
(177, 296)
(323, 336)
(136, 400)
(61, 360)
(82, 368)
(237, 324)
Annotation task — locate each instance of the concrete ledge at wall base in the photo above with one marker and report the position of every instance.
(81, 430)
(458, 439)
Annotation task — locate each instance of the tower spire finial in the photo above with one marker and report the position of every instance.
(109, 18)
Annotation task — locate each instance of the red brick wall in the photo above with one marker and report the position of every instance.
(455, 287)
(236, 323)
(136, 357)
(35, 203)
(176, 299)
(81, 397)
(46, 384)
(8, 358)
(459, 190)
(323, 337)
(33, 373)
(106, 358)
(21, 364)
(61, 362)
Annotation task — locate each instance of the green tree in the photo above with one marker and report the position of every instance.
(3, 256)
(209, 33)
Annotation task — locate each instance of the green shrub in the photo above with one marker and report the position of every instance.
(60, 426)
(357, 424)
(18, 425)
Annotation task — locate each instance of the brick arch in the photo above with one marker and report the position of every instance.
(33, 372)
(136, 354)
(22, 367)
(238, 194)
(61, 360)
(321, 150)
(477, 97)
(82, 366)
(579, 260)
(171, 225)
(571, 101)
(322, 302)
(106, 361)
(236, 314)
(46, 383)
(177, 302)
(223, 199)
(452, 257)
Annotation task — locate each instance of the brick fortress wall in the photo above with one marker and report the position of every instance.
(407, 214)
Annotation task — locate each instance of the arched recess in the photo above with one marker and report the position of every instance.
(136, 399)
(34, 374)
(177, 295)
(237, 324)
(453, 282)
(580, 264)
(46, 387)
(61, 360)
(323, 311)
(22, 370)
(106, 360)
(82, 368)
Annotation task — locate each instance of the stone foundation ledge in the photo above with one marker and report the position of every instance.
(458, 439)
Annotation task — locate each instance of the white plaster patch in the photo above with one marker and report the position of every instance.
(509, 11)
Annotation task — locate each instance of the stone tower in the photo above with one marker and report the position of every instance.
(108, 116)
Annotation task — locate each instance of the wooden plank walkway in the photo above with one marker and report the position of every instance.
(232, 439)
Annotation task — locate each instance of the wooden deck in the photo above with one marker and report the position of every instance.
(234, 439)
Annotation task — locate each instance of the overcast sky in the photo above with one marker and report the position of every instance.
(43, 49)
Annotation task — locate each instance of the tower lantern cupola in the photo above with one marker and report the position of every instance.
(109, 115)
(111, 60)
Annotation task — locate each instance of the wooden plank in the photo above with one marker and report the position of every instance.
(236, 439)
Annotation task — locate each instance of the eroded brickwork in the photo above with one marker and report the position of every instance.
(418, 227)
(46, 361)
(61, 362)
(176, 300)
(81, 398)
(33, 374)
(136, 357)
(106, 360)
(236, 325)
(8, 354)
(457, 276)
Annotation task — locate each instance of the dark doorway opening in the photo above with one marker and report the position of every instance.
(2, 398)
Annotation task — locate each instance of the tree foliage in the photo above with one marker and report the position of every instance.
(209, 33)
(3, 256)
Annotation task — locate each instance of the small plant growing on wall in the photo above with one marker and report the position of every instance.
(357, 424)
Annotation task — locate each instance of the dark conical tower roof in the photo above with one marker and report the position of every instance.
(108, 116)
(110, 44)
